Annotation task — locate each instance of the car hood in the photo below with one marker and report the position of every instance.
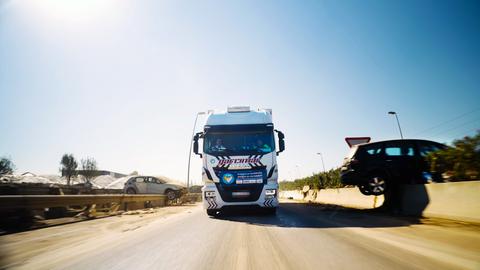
(171, 182)
(176, 186)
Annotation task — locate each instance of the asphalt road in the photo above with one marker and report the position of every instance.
(299, 237)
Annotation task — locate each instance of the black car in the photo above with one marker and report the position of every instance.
(374, 167)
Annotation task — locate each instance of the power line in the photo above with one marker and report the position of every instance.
(463, 134)
(456, 127)
(446, 122)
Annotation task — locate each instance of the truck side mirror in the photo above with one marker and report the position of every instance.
(281, 141)
(195, 143)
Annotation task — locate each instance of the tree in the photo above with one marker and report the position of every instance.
(68, 166)
(6, 166)
(89, 168)
(460, 162)
(328, 179)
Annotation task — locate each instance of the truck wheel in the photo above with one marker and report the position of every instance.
(212, 212)
(271, 211)
(131, 191)
(170, 194)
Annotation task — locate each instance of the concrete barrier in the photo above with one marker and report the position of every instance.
(292, 194)
(459, 200)
(350, 197)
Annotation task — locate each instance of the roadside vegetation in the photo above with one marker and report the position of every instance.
(68, 167)
(89, 169)
(460, 162)
(195, 189)
(6, 166)
(329, 179)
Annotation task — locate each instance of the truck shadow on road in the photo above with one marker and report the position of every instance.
(315, 215)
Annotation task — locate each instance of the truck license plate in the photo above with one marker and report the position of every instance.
(240, 194)
(250, 181)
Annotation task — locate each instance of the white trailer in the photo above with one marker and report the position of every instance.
(239, 160)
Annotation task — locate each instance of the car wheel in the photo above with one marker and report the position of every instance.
(212, 212)
(170, 195)
(131, 191)
(377, 184)
(365, 190)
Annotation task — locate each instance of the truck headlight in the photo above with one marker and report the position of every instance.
(270, 193)
(209, 194)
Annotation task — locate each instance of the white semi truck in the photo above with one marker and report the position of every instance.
(239, 160)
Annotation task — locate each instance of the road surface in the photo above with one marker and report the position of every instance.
(300, 236)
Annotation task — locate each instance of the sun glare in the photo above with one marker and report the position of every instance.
(71, 10)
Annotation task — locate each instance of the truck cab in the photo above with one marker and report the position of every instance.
(239, 160)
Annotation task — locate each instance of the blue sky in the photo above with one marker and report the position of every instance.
(121, 81)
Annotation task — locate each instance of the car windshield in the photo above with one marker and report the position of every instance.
(223, 143)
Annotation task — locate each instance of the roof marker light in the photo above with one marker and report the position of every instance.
(238, 109)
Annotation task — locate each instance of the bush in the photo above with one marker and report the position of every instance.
(460, 162)
(329, 179)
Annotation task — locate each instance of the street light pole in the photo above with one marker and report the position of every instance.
(323, 163)
(190, 151)
(398, 123)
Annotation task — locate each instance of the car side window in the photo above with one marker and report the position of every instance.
(149, 180)
(139, 180)
(373, 150)
(426, 148)
(409, 151)
(399, 149)
(393, 151)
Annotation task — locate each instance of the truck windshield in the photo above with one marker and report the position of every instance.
(238, 143)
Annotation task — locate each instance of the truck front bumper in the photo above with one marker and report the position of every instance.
(212, 200)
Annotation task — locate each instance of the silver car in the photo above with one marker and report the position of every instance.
(153, 185)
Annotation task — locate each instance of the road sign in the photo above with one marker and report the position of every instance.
(351, 141)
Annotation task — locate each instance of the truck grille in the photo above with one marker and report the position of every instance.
(243, 185)
(227, 192)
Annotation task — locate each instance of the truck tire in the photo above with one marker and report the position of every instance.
(271, 211)
(131, 191)
(212, 212)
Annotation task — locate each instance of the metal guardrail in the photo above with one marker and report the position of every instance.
(22, 211)
(46, 201)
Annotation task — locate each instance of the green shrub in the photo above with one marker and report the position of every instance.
(460, 162)
(329, 179)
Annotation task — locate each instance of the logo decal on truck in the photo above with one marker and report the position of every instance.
(224, 162)
(228, 178)
(239, 163)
